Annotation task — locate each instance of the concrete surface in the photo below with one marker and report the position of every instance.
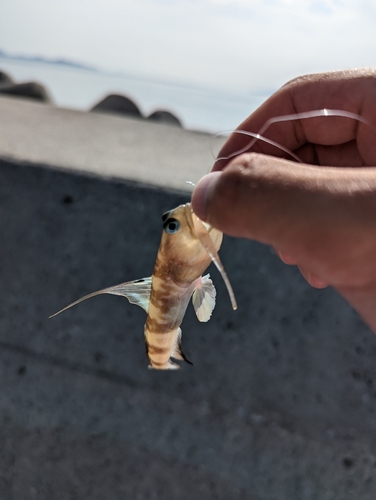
(109, 146)
(280, 403)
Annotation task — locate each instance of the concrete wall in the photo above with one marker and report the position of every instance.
(281, 400)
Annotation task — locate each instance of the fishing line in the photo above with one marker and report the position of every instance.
(284, 118)
(251, 143)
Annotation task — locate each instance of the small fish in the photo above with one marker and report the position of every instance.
(187, 247)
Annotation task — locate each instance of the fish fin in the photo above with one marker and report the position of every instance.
(137, 292)
(203, 235)
(203, 299)
(177, 353)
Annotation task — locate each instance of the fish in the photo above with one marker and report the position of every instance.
(187, 247)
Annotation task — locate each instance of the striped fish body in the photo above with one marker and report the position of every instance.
(162, 327)
(187, 247)
(177, 275)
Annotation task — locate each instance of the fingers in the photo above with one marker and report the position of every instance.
(262, 197)
(286, 258)
(353, 91)
(313, 279)
(323, 219)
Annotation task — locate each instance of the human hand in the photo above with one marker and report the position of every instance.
(321, 219)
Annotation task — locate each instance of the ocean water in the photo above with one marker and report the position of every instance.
(197, 108)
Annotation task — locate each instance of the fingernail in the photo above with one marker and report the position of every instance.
(201, 194)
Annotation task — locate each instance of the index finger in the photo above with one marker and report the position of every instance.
(352, 91)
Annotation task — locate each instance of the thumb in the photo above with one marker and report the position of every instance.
(259, 197)
(314, 214)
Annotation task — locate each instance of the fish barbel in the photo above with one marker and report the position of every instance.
(187, 247)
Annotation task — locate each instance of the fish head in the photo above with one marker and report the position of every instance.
(182, 246)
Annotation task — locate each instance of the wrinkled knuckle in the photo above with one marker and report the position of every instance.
(247, 164)
(250, 168)
(241, 195)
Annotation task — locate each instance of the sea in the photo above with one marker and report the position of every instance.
(201, 109)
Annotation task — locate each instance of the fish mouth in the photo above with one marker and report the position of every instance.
(189, 217)
(191, 224)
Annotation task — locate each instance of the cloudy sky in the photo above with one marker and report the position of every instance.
(237, 45)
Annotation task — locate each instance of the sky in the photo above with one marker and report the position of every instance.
(234, 45)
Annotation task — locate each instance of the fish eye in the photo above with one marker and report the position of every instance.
(171, 226)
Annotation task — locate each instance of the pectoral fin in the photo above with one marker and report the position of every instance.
(137, 292)
(177, 353)
(204, 299)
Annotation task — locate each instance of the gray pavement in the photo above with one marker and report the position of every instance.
(109, 146)
(281, 400)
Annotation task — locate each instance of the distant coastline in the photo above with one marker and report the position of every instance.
(44, 60)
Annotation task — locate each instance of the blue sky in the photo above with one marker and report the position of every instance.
(236, 45)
